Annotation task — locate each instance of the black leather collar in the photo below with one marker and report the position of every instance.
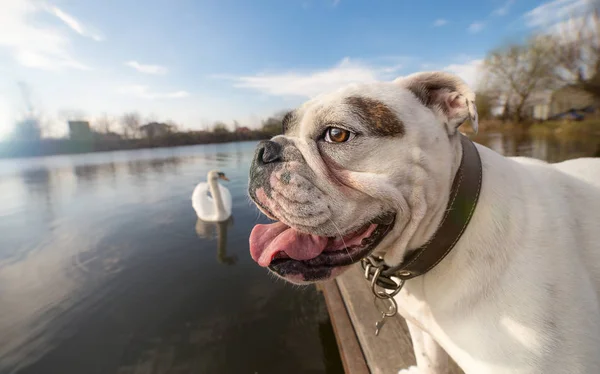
(464, 195)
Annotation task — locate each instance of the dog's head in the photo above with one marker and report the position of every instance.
(360, 170)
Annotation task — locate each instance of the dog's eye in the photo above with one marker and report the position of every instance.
(337, 135)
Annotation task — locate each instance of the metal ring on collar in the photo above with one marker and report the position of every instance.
(383, 294)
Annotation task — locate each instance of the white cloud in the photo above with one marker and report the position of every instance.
(312, 83)
(440, 22)
(147, 69)
(476, 27)
(33, 45)
(555, 11)
(469, 71)
(74, 24)
(144, 92)
(504, 9)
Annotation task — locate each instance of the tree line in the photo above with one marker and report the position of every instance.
(567, 55)
(129, 131)
(131, 126)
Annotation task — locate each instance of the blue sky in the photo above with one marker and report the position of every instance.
(196, 61)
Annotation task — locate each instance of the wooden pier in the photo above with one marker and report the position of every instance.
(353, 315)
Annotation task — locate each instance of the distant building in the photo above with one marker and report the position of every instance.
(559, 104)
(80, 130)
(242, 130)
(155, 129)
(28, 129)
(537, 105)
(570, 98)
(109, 136)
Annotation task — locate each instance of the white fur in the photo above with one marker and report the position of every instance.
(520, 291)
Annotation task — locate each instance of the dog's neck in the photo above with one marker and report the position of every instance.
(436, 209)
(438, 228)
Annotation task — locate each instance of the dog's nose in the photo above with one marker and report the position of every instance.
(268, 152)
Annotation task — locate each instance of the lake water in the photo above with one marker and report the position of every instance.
(104, 268)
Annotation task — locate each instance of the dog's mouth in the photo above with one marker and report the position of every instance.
(289, 252)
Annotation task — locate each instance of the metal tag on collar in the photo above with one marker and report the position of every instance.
(373, 267)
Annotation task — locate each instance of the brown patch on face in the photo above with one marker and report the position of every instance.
(375, 114)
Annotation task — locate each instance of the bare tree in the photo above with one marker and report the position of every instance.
(130, 123)
(173, 126)
(576, 51)
(484, 102)
(220, 127)
(205, 124)
(519, 71)
(104, 123)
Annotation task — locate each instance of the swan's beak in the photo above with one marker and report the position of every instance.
(224, 178)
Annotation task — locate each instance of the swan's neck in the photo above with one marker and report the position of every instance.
(218, 200)
(222, 241)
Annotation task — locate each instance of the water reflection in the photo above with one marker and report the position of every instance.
(544, 147)
(210, 230)
(45, 290)
(87, 173)
(239, 155)
(40, 188)
(71, 225)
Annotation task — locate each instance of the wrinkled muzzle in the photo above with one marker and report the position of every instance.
(281, 185)
(305, 242)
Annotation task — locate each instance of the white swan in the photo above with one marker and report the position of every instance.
(215, 208)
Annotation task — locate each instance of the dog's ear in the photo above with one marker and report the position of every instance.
(446, 95)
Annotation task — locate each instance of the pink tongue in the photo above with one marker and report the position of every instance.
(267, 240)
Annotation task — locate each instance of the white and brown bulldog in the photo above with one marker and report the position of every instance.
(373, 169)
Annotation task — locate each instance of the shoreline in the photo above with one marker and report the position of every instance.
(56, 147)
